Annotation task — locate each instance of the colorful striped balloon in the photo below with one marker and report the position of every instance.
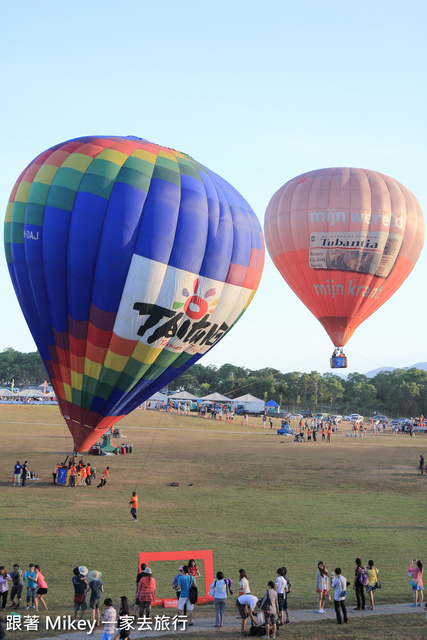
(130, 261)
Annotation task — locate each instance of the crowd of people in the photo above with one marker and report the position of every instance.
(269, 611)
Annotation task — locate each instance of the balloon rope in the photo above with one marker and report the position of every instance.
(149, 450)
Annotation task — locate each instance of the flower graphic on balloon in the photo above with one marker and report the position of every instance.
(196, 306)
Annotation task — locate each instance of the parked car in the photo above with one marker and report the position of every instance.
(306, 414)
(295, 416)
(321, 416)
(379, 418)
(354, 417)
(337, 418)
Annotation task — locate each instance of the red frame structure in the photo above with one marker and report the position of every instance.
(182, 556)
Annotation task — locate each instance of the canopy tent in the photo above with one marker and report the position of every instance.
(158, 397)
(6, 393)
(271, 403)
(247, 398)
(216, 397)
(249, 402)
(272, 406)
(30, 393)
(184, 396)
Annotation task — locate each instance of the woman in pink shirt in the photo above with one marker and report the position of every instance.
(416, 570)
(42, 588)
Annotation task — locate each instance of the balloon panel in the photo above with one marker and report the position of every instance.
(130, 261)
(344, 240)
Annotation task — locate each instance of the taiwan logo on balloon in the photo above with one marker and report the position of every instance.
(130, 261)
(344, 240)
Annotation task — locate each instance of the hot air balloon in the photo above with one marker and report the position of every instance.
(130, 261)
(344, 240)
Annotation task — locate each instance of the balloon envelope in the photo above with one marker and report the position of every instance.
(344, 240)
(130, 261)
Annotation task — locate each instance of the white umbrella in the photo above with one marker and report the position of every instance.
(30, 393)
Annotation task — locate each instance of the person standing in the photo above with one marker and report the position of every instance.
(88, 475)
(109, 619)
(372, 581)
(96, 588)
(55, 472)
(146, 592)
(218, 589)
(104, 476)
(4, 587)
(24, 473)
(322, 585)
(339, 584)
(360, 577)
(30, 576)
(83, 475)
(138, 578)
(73, 475)
(421, 466)
(17, 586)
(41, 588)
(243, 583)
(80, 589)
(184, 582)
(134, 506)
(193, 570)
(416, 570)
(269, 605)
(280, 587)
(17, 471)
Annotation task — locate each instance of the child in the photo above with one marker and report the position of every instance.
(109, 618)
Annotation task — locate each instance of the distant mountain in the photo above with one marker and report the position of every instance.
(420, 365)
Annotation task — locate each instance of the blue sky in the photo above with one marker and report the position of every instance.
(259, 93)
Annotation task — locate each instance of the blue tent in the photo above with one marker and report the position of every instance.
(271, 403)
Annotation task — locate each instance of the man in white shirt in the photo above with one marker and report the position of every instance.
(246, 605)
(339, 583)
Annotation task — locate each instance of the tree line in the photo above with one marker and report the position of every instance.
(398, 393)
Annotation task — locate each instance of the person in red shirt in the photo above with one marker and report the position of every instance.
(134, 505)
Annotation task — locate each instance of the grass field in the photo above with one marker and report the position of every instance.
(257, 502)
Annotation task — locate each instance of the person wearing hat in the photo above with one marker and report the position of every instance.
(138, 578)
(104, 476)
(96, 588)
(80, 590)
(146, 592)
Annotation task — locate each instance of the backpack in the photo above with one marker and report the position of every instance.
(193, 594)
(363, 578)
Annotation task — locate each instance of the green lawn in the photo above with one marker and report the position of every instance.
(257, 502)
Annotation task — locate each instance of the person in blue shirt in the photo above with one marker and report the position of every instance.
(17, 474)
(32, 586)
(184, 582)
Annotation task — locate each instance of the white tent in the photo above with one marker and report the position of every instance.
(249, 402)
(30, 393)
(6, 393)
(184, 396)
(158, 397)
(216, 397)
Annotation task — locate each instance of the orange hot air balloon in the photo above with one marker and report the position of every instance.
(344, 240)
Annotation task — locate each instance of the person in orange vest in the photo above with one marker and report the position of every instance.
(55, 472)
(104, 476)
(73, 475)
(83, 474)
(329, 434)
(88, 474)
(134, 506)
